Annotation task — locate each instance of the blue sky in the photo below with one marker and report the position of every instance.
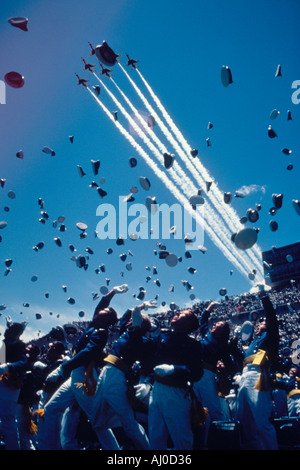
(181, 47)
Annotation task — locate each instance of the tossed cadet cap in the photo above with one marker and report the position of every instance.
(95, 166)
(14, 79)
(226, 75)
(227, 197)
(273, 225)
(48, 150)
(277, 200)
(168, 160)
(274, 114)
(80, 171)
(132, 162)
(20, 154)
(196, 200)
(151, 121)
(223, 291)
(246, 330)
(19, 22)
(145, 183)
(296, 205)
(252, 215)
(278, 71)
(245, 238)
(81, 226)
(171, 259)
(271, 132)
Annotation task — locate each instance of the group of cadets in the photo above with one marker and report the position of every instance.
(152, 390)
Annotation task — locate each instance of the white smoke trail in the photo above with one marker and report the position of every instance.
(218, 203)
(185, 183)
(212, 219)
(178, 195)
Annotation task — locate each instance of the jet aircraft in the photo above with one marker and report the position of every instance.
(81, 81)
(93, 49)
(87, 66)
(105, 71)
(131, 62)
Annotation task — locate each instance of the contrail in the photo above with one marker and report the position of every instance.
(217, 202)
(179, 196)
(182, 179)
(216, 227)
(202, 170)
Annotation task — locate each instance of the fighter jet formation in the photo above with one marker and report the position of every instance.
(108, 57)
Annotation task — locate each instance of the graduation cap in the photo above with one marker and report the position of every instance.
(194, 153)
(227, 198)
(2, 182)
(57, 241)
(246, 331)
(151, 204)
(252, 215)
(145, 183)
(95, 166)
(277, 200)
(286, 151)
(245, 238)
(208, 185)
(132, 162)
(296, 205)
(14, 79)
(168, 160)
(171, 260)
(71, 138)
(19, 22)
(20, 154)
(278, 71)
(226, 75)
(223, 291)
(196, 200)
(273, 225)
(80, 171)
(271, 132)
(102, 193)
(151, 121)
(289, 116)
(97, 89)
(48, 150)
(274, 113)
(192, 270)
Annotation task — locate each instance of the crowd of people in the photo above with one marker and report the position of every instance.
(211, 376)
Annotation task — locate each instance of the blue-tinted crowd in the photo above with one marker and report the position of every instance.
(220, 375)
